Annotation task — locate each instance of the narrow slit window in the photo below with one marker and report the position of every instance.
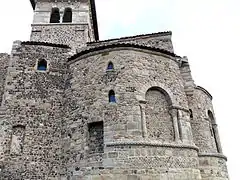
(42, 65)
(214, 130)
(191, 114)
(55, 16)
(211, 117)
(112, 97)
(67, 17)
(110, 66)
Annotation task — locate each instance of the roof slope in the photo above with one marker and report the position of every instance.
(117, 45)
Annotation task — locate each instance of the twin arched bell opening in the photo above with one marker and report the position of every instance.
(55, 16)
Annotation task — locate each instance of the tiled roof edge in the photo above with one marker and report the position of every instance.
(115, 45)
(45, 44)
(136, 36)
(205, 91)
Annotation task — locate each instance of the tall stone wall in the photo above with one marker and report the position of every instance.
(33, 112)
(74, 35)
(200, 103)
(4, 61)
(212, 163)
(129, 150)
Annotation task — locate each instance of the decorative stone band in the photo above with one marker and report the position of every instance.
(179, 108)
(59, 24)
(155, 144)
(217, 155)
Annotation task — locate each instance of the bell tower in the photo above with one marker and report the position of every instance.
(69, 22)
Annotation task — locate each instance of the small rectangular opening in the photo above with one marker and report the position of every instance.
(95, 138)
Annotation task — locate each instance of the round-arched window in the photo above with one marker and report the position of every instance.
(112, 97)
(42, 65)
(110, 66)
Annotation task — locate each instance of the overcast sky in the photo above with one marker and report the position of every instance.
(207, 31)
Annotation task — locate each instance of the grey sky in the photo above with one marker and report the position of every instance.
(207, 31)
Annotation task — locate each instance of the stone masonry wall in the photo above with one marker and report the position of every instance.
(200, 103)
(186, 75)
(75, 34)
(4, 60)
(80, 11)
(158, 119)
(95, 138)
(213, 168)
(157, 40)
(212, 163)
(135, 71)
(33, 103)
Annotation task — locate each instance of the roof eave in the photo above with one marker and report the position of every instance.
(33, 2)
(94, 20)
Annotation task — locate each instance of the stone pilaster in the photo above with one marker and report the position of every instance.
(143, 118)
(174, 114)
(217, 138)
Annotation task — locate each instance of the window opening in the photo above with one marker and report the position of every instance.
(55, 16)
(191, 113)
(42, 65)
(213, 129)
(112, 97)
(67, 17)
(110, 66)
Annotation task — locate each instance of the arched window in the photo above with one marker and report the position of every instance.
(110, 66)
(191, 113)
(213, 129)
(42, 65)
(211, 117)
(55, 16)
(111, 96)
(67, 17)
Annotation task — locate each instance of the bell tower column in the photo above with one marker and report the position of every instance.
(71, 22)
